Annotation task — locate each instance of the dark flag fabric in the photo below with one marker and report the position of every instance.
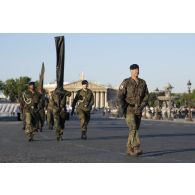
(60, 50)
(41, 76)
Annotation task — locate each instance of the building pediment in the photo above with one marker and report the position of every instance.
(77, 85)
(104, 96)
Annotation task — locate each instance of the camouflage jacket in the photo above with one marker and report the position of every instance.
(58, 99)
(84, 100)
(31, 100)
(49, 105)
(21, 102)
(42, 102)
(132, 93)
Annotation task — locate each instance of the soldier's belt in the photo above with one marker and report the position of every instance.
(83, 105)
(132, 105)
(33, 107)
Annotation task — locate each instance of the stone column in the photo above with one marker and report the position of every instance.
(71, 98)
(97, 99)
(74, 94)
(105, 99)
(101, 100)
(94, 93)
(68, 100)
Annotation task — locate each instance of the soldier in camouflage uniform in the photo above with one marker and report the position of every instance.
(41, 106)
(85, 100)
(58, 103)
(22, 103)
(50, 118)
(133, 97)
(31, 100)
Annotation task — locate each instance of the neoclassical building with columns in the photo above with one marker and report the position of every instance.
(102, 94)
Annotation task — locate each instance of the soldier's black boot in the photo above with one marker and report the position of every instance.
(59, 138)
(83, 135)
(138, 151)
(30, 139)
(50, 127)
(41, 129)
(131, 152)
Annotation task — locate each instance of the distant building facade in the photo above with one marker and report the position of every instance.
(104, 95)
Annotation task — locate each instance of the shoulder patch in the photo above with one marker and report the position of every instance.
(122, 85)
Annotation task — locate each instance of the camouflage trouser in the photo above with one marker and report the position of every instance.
(50, 118)
(84, 119)
(59, 121)
(24, 118)
(133, 121)
(30, 124)
(41, 117)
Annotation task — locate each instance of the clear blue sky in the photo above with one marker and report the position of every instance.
(104, 58)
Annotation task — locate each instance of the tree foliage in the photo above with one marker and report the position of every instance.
(2, 84)
(182, 99)
(13, 88)
(10, 89)
(152, 99)
(185, 99)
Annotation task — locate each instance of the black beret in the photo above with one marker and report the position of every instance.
(134, 66)
(31, 83)
(84, 82)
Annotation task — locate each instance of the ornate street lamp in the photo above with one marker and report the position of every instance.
(156, 117)
(189, 84)
(169, 90)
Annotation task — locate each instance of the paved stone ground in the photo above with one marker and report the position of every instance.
(162, 142)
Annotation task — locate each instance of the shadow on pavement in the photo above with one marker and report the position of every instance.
(107, 138)
(44, 140)
(167, 135)
(141, 136)
(94, 138)
(163, 152)
(10, 118)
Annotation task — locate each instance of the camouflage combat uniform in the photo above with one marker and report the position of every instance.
(31, 101)
(133, 97)
(50, 118)
(58, 103)
(22, 103)
(85, 100)
(41, 113)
